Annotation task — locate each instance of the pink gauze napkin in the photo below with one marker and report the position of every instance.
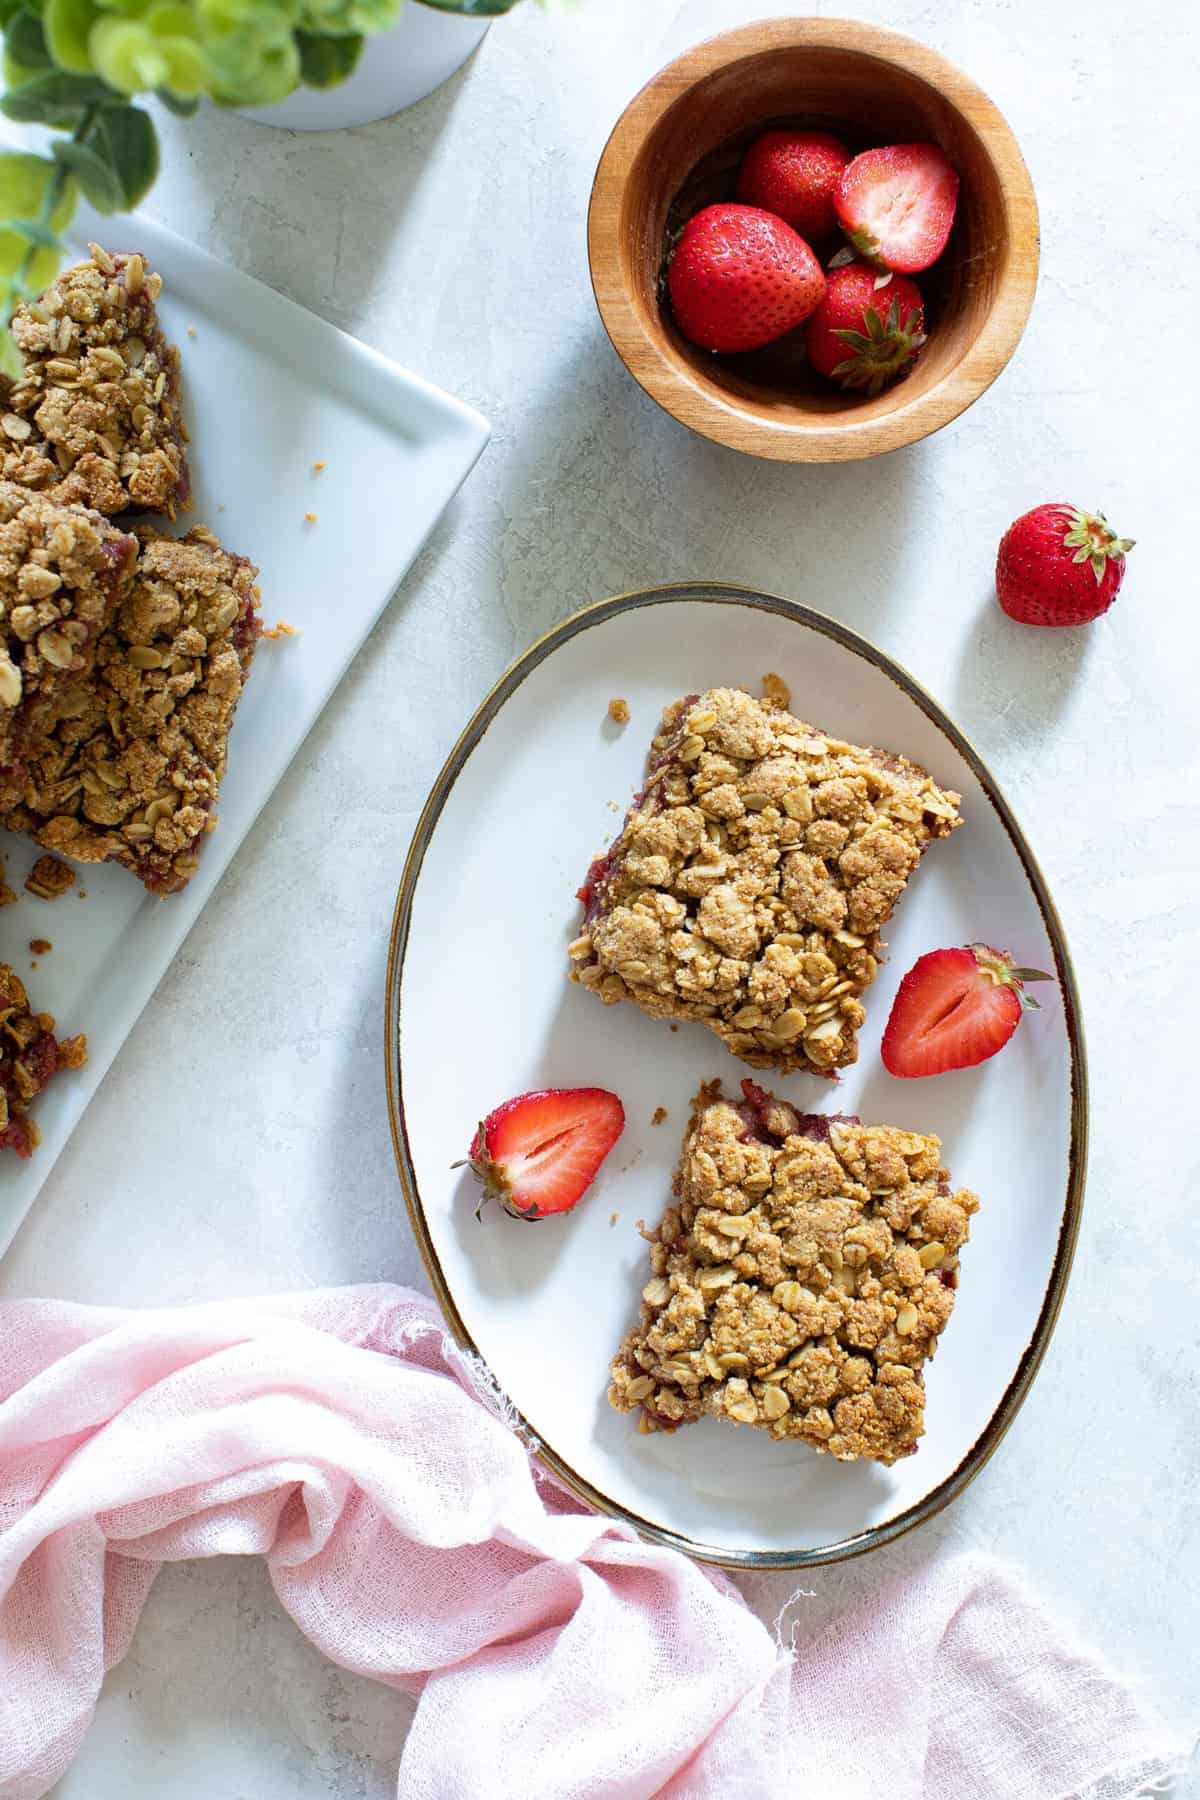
(341, 1435)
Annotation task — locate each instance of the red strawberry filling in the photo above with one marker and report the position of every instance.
(770, 1121)
(592, 893)
(25, 1071)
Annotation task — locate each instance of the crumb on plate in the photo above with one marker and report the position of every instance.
(776, 692)
(282, 630)
(618, 711)
(49, 878)
(310, 518)
(317, 467)
(39, 946)
(658, 1115)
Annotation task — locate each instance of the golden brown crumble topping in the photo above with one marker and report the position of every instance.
(618, 711)
(62, 573)
(49, 879)
(800, 1280)
(96, 414)
(29, 1056)
(752, 877)
(132, 769)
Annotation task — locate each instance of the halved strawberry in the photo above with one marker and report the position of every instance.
(537, 1154)
(896, 205)
(955, 1008)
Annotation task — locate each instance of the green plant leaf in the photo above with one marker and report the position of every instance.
(24, 181)
(9, 10)
(124, 138)
(32, 231)
(100, 183)
(67, 24)
(25, 40)
(326, 61)
(55, 98)
(182, 108)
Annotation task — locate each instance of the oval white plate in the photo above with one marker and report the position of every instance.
(479, 1008)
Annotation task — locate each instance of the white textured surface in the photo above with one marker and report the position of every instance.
(240, 1142)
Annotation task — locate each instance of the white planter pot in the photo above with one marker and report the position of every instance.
(396, 69)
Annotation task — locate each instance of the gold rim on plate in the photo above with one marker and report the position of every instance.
(1014, 1395)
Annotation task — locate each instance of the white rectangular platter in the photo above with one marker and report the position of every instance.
(269, 390)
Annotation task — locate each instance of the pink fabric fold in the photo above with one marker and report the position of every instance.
(342, 1436)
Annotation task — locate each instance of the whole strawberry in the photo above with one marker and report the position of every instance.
(1059, 566)
(864, 336)
(795, 175)
(741, 278)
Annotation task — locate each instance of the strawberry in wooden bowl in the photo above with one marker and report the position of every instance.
(846, 133)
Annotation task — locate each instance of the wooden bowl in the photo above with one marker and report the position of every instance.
(676, 148)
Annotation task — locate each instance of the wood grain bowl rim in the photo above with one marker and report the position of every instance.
(1007, 1407)
(679, 391)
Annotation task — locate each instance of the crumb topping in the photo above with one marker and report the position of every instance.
(62, 573)
(799, 1282)
(618, 711)
(96, 414)
(29, 1055)
(132, 769)
(752, 877)
(49, 878)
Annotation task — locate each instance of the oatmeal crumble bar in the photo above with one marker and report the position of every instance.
(132, 769)
(96, 414)
(29, 1055)
(63, 571)
(751, 879)
(800, 1281)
